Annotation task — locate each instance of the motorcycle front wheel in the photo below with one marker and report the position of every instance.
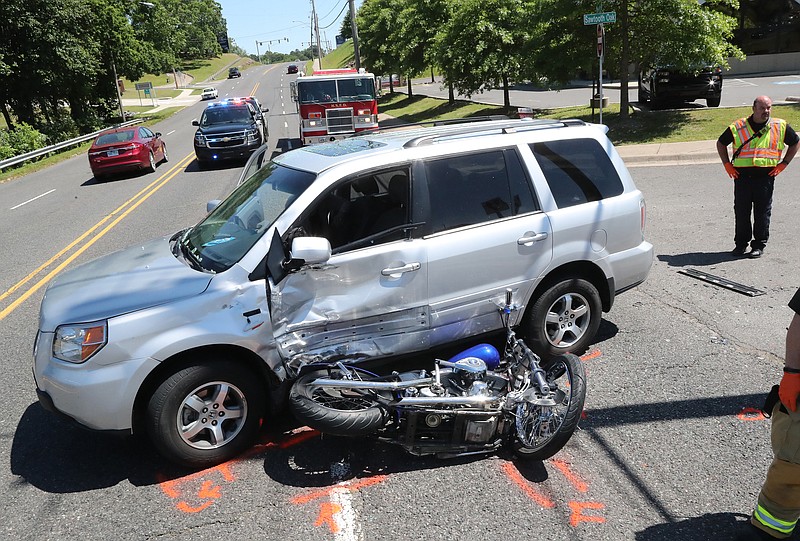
(541, 431)
(336, 411)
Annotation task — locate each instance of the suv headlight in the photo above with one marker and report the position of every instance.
(77, 343)
(252, 135)
(199, 139)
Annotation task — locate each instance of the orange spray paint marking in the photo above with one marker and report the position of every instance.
(526, 487)
(352, 487)
(751, 414)
(190, 498)
(326, 512)
(592, 355)
(578, 516)
(584, 415)
(574, 480)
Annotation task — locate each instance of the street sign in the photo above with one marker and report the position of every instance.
(601, 35)
(600, 18)
(144, 86)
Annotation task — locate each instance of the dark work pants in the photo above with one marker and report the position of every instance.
(752, 193)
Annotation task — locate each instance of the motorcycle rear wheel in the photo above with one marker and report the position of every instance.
(339, 412)
(541, 431)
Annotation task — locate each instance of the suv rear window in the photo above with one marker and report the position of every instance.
(476, 188)
(577, 171)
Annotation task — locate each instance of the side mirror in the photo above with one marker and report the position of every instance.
(265, 109)
(308, 251)
(211, 205)
(195, 122)
(158, 134)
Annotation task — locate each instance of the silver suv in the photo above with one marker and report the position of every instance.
(365, 248)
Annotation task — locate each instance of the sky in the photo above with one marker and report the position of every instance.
(272, 23)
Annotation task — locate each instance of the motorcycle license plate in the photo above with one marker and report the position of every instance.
(112, 153)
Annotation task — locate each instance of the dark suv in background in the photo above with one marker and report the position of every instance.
(228, 130)
(234, 72)
(664, 85)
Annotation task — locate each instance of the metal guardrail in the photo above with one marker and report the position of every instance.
(59, 146)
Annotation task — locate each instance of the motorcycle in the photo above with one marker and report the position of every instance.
(475, 402)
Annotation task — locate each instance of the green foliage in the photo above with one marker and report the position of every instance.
(62, 55)
(20, 140)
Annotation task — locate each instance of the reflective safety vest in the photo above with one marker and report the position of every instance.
(762, 151)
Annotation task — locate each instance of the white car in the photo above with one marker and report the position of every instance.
(209, 94)
(370, 247)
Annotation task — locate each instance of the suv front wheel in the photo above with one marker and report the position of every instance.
(205, 414)
(564, 318)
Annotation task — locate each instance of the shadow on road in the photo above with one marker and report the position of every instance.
(702, 528)
(695, 258)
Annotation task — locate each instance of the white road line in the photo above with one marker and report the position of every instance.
(744, 83)
(34, 199)
(346, 519)
(171, 132)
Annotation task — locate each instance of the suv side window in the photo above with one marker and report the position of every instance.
(362, 211)
(475, 188)
(577, 171)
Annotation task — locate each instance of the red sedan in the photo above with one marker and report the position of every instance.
(125, 149)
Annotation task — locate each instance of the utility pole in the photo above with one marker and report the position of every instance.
(258, 56)
(116, 84)
(315, 29)
(354, 28)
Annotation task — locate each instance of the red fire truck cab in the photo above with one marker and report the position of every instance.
(334, 104)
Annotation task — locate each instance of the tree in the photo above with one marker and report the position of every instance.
(681, 33)
(346, 30)
(481, 46)
(419, 21)
(379, 36)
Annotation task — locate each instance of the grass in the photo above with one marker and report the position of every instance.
(199, 70)
(340, 57)
(641, 127)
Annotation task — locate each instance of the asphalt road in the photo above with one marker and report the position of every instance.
(736, 91)
(669, 448)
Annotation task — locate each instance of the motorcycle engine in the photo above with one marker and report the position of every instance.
(471, 371)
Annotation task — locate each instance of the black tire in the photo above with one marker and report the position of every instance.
(166, 156)
(713, 102)
(335, 411)
(542, 431)
(564, 319)
(205, 414)
(151, 166)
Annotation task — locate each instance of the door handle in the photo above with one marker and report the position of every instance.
(410, 267)
(531, 238)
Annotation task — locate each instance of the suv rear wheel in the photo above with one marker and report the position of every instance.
(564, 318)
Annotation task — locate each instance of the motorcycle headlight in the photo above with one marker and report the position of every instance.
(77, 343)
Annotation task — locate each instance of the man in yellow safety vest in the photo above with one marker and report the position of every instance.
(758, 142)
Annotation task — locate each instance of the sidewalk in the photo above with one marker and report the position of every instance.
(689, 153)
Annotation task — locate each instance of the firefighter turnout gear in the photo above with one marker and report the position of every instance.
(779, 500)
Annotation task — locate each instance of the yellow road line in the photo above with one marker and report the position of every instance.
(158, 183)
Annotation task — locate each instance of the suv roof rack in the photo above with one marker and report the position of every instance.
(466, 126)
(512, 126)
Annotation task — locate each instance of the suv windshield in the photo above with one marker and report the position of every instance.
(226, 115)
(230, 230)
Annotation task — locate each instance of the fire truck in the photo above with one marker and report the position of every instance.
(334, 104)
